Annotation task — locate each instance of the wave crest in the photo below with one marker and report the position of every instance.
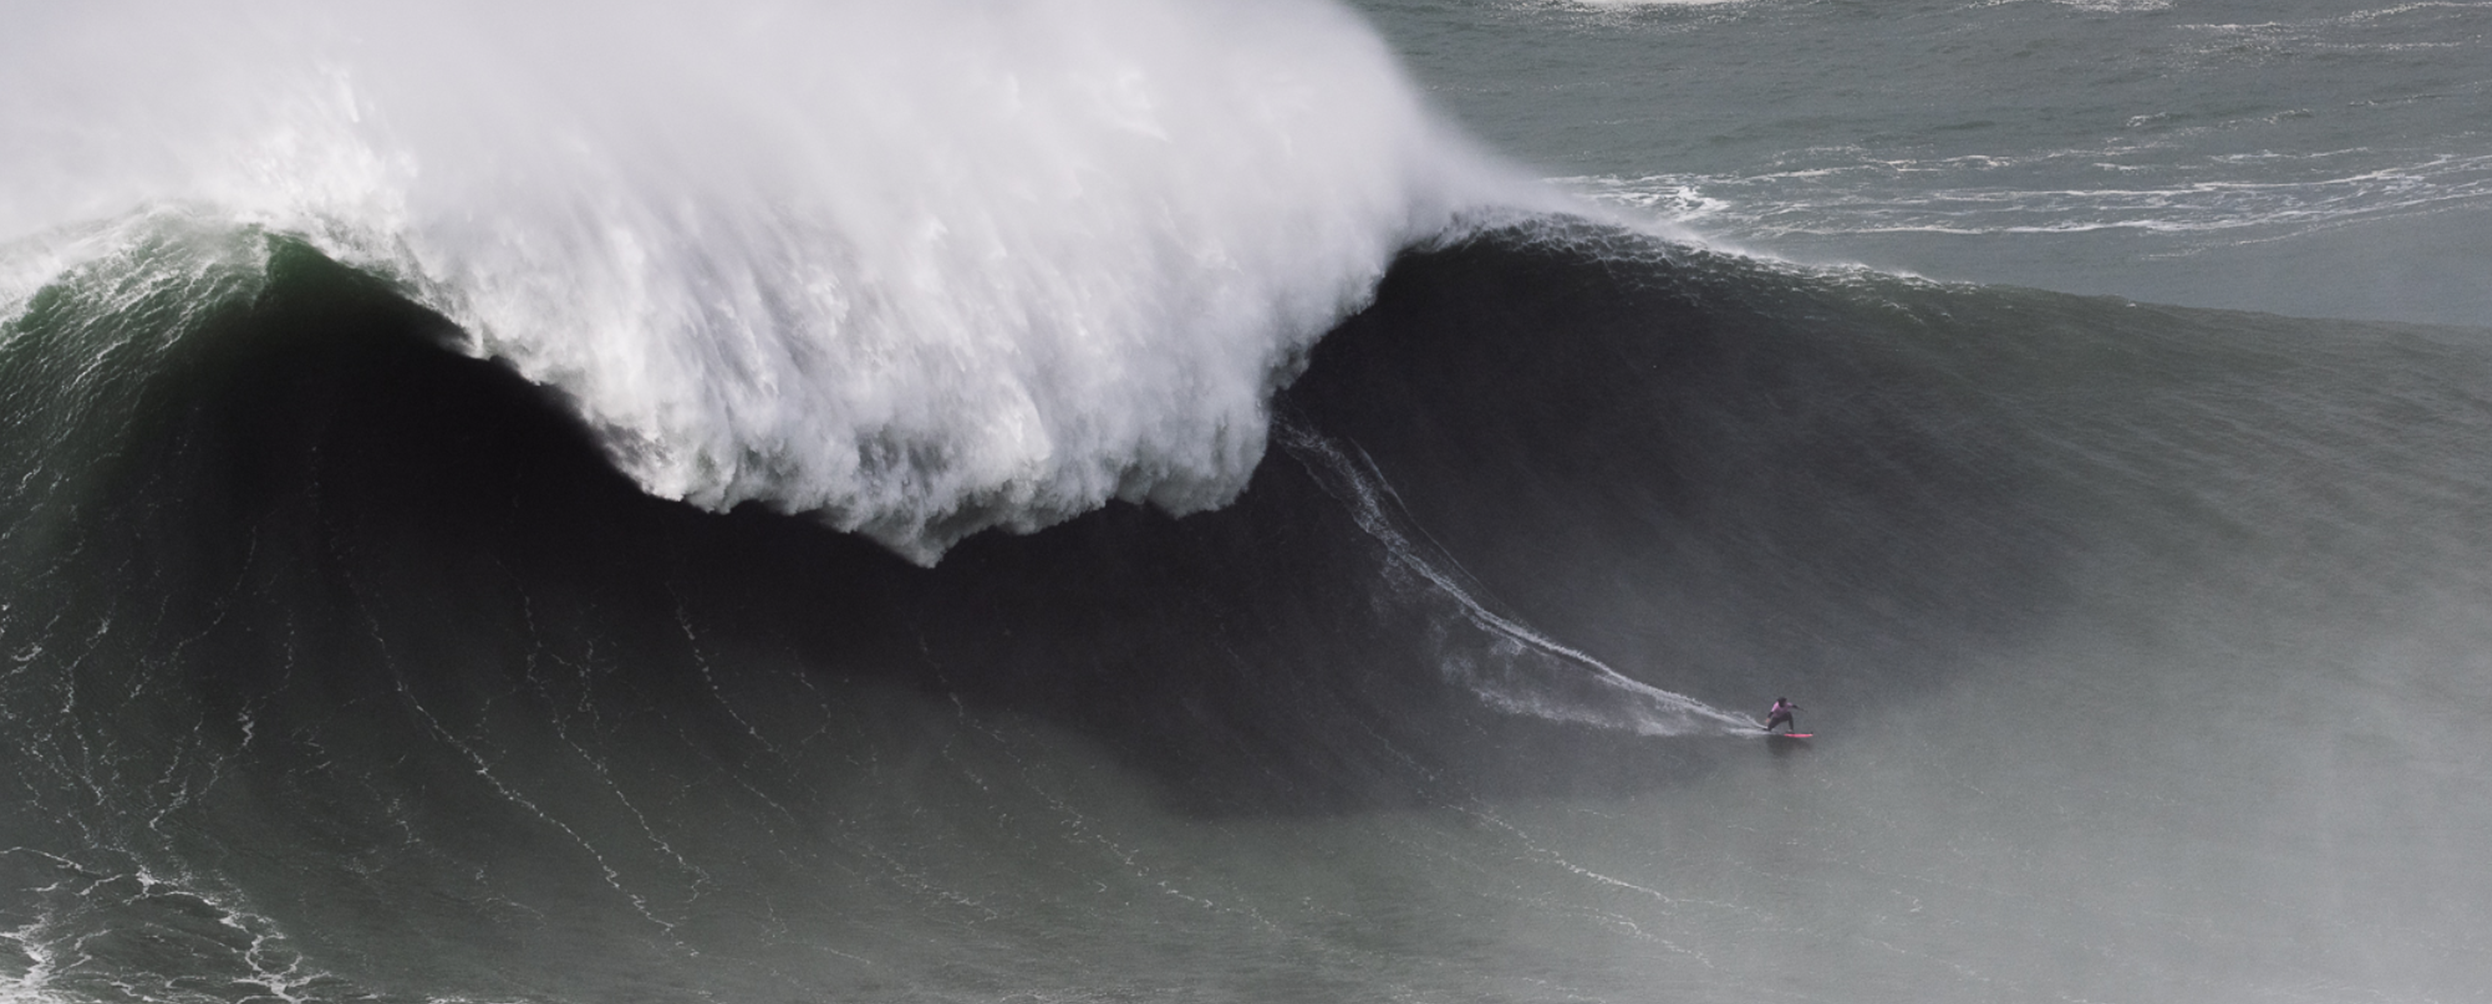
(921, 269)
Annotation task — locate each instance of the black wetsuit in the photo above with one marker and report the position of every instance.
(1780, 714)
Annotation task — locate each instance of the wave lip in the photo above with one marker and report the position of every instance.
(919, 269)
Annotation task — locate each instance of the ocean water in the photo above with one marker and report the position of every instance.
(2314, 159)
(1124, 500)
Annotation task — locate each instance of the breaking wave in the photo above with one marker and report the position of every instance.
(919, 269)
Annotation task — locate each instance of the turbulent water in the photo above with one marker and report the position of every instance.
(1124, 500)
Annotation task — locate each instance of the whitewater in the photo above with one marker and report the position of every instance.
(1206, 501)
(916, 269)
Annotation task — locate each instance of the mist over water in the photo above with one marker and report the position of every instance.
(493, 500)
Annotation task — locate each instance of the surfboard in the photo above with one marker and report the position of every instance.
(1789, 735)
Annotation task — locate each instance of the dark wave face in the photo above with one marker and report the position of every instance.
(342, 665)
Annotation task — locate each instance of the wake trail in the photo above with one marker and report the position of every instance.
(1549, 682)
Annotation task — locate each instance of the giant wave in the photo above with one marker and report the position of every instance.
(360, 645)
(918, 269)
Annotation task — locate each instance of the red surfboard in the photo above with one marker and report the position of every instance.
(1789, 735)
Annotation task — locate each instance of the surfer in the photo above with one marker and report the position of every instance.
(1780, 714)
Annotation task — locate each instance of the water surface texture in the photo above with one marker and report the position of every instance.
(2324, 159)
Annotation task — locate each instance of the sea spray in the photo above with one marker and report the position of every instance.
(918, 269)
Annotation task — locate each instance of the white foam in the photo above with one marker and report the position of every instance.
(920, 268)
(1851, 193)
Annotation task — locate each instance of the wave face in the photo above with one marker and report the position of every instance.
(343, 665)
(356, 648)
(919, 269)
